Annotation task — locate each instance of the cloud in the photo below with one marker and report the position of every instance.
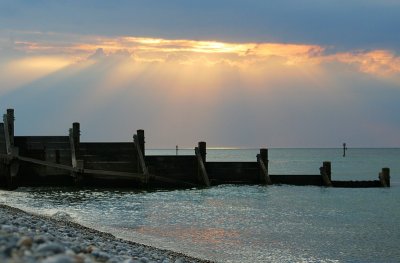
(98, 54)
(378, 62)
(227, 93)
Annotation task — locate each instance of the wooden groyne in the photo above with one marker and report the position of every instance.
(66, 161)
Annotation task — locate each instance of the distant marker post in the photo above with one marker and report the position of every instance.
(344, 149)
(176, 150)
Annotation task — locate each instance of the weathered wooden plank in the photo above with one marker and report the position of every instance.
(181, 168)
(244, 176)
(357, 184)
(44, 145)
(111, 166)
(231, 165)
(186, 163)
(58, 156)
(107, 157)
(244, 172)
(46, 148)
(88, 171)
(169, 158)
(45, 163)
(115, 174)
(42, 139)
(172, 181)
(101, 147)
(231, 172)
(297, 179)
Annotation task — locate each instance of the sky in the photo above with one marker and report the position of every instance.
(248, 74)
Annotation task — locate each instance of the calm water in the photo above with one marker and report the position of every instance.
(250, 223)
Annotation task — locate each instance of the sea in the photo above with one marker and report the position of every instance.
(249, 223)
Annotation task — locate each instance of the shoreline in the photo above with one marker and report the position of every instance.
(26, 237)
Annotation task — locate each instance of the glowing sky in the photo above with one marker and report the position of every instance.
(233, 73)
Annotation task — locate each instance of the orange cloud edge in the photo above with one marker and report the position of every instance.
(380, 62)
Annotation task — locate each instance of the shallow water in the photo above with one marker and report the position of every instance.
(250, 223)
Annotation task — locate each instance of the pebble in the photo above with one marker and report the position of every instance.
(8, 228)
(25, 241)
(35, 239)
(39, 239)
(180, 260)
(100, 255)
(61, 216)
(60, 259)
(53, 248)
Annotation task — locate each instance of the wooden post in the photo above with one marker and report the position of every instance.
(325, 171)
(328, 169)
(7, 135)
(11, 162)
(140, 136)
(76, 135)
(344, 149)
(142, 163)
(10, 122)
(264, 157)
(201, 170)
(78, 174)
(263, 162)
(8, 125)
(203, 151)
(72, 145)
(77, 164)
(384, 177)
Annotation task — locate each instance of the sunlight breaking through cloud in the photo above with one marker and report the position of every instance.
(382, 63)
(197, 89)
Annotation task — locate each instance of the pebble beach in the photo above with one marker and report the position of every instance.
(31, 238)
